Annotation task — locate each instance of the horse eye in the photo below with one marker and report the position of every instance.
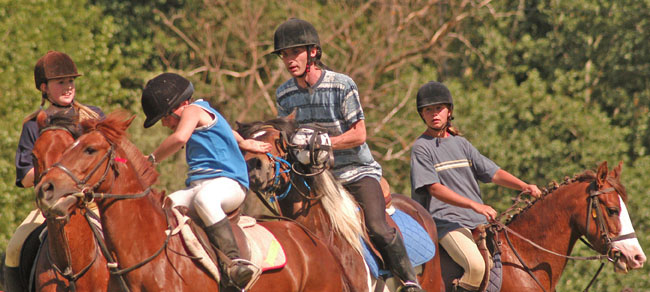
(613, 211)
(90, 150)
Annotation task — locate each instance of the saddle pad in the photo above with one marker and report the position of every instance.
(419, 246)
(494, 284)
(266, 251)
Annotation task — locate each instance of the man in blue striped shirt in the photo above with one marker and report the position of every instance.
(331, 100)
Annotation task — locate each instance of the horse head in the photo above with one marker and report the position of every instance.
(612, 232)
(57, 131)
(268, 171)
(92, 165)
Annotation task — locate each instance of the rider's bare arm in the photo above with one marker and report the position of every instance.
(505, 179)
(353, 137)
(448, 196)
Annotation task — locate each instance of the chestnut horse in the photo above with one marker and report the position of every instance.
(536, 243)
(119, 178)
(323, 204)
(69, 259)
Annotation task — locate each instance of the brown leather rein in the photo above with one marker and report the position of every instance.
(87, 194)
(611, 254)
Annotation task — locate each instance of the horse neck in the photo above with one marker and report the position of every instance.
(129, 225)
(334, 216)
(550, 224)
(71, 244)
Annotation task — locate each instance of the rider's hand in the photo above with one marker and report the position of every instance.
(255, 146)
(485, 210)
(533, 190)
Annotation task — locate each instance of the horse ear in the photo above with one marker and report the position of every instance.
(292, 115)
(616, 172)
(601, 176)
(41, 119)
(129, 121)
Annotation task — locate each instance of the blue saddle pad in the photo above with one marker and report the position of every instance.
(419, 246)
(496, 274)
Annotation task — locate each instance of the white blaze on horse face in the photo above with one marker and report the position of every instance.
(630, 247)
(257, 134)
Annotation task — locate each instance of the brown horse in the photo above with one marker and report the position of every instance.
(135, 224)
(69, 259)
(322, 204)
(536, 243)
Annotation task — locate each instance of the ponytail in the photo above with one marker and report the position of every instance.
(84, 112)
(35, 113)
(453, 130)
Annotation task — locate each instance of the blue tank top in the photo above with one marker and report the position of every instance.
(212, 151)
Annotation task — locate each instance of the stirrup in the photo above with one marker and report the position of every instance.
(250, 267)
(410, 286)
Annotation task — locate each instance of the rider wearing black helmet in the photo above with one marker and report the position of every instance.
(217, 179)
(445, 170)
(325, 98)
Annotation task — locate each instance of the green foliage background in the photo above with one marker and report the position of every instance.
(544, 88)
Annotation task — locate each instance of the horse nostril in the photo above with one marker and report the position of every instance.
(45, 189)
(639, 258)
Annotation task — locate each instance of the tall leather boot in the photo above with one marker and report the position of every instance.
(12, 280)
(221, 235)
(399, 264)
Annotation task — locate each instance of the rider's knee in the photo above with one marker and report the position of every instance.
(15, 245)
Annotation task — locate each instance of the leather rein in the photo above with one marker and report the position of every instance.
(611, 254)
(282, 166)
(87, 195)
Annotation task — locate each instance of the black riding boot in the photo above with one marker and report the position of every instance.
(399, 264)
(12, 280)
(221, 235)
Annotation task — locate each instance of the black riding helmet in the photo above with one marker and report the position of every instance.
(294, 33)
(162, 94)
(433, 93)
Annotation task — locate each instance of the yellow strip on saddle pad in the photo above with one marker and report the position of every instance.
(266, 251)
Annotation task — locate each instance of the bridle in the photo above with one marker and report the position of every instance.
(594, 211)
(282, 166)
(88, 193)
(67, 272)
(40, 133)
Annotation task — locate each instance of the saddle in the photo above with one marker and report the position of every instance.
(480, 235)
(256, 244)
(419, 246)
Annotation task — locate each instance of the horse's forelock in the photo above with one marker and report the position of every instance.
(68, 120)
(113, 128)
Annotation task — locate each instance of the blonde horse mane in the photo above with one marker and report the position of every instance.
(343, 211)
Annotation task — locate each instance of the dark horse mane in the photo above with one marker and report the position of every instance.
(66, 119)
(285, 125)
(585, 176)
(114, 129)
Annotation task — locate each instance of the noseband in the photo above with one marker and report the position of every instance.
(594, 211)
(88, 194)
(82, 184)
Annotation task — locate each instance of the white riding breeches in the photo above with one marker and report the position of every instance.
(211, 198)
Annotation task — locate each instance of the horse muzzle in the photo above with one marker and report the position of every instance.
(56, 203)
(260, 173)
(629, 261)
